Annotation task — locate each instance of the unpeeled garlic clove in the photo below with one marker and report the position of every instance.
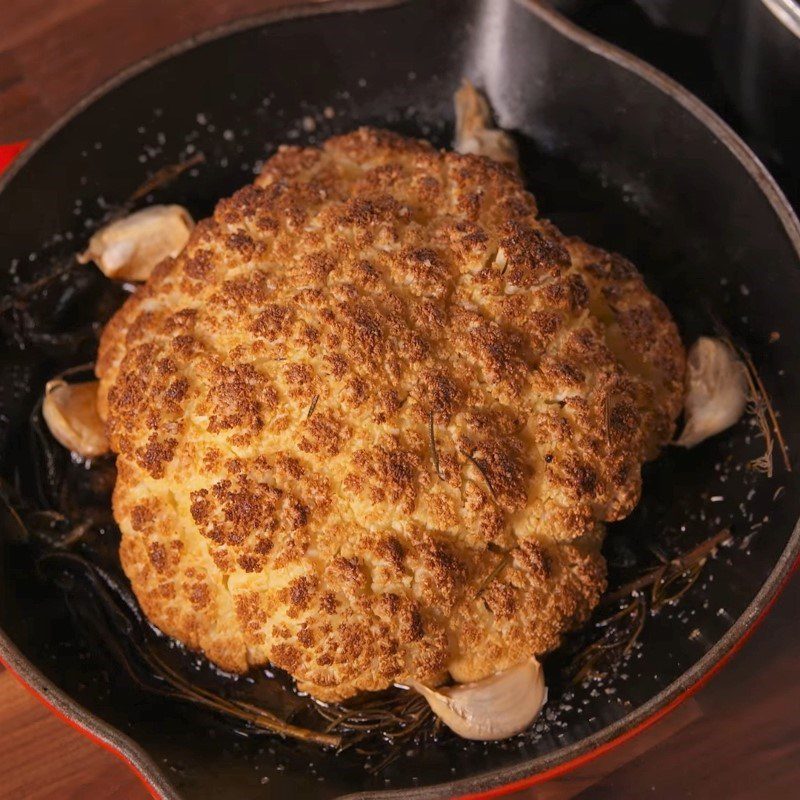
(475, 131)
(716, 390)
(493, 708)
(70, 411)
(129, 248)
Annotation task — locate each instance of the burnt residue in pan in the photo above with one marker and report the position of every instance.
(57, 511)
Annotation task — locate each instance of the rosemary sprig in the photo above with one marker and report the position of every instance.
(258, 717)
(27, 290)
(621, 632)
(495, 571)
(668, 582)
(668, 573)
(313, 405)
(480, 469)
(761, 407)
(395, 718)
(17, 524)
(162, 177)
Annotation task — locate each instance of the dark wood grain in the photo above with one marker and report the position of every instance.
(738, 738)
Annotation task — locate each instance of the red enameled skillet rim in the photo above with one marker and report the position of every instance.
(592, 747)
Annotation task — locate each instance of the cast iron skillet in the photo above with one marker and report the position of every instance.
(614, 152)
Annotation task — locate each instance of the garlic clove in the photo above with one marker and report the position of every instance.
(475, 132)
(716, 390)
(70, 411)
(117, 255)
(130, 248)
(493, 708)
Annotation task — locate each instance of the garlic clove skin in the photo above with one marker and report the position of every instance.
(493, 708)
(475, 131)
(716, 391)
(70, 411)
(130, 248)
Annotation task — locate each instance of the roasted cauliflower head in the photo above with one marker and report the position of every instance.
(370, 423)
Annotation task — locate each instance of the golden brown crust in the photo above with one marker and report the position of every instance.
(371, 378)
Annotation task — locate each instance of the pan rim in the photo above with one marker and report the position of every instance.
(506, 779)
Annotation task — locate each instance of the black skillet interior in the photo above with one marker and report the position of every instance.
(609, 157)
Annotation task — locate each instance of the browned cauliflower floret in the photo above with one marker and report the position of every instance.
(371, 421)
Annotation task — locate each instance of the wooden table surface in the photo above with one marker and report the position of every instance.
(738, 738)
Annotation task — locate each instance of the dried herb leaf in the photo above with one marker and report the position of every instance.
(434, 449)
